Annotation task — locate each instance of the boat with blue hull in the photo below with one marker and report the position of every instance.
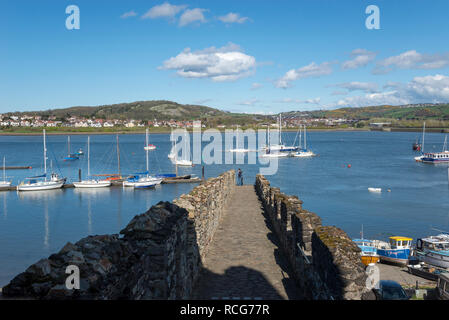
(397, 250)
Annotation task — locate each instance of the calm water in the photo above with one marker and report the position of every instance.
(34, 225)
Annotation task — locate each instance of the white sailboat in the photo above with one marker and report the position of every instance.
(277, 150)
(303, 152)
(143, 180)
(172, 155)
(91, 183)
(183, 162)
(237, 149)
(4, 183)
(38, 183)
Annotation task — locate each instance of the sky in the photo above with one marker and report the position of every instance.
(253, 56)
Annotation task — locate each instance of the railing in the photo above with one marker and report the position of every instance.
(303, 254)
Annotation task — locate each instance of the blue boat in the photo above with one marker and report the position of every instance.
(70, 156)
(397, 251)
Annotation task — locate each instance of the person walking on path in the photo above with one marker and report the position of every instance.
(240, 178)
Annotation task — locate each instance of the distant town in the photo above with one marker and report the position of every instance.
(30, 121)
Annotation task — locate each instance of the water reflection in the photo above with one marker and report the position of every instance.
(89, 196)
(5, 210)
(45, 199)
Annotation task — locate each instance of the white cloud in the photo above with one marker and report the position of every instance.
(250, 102)
(219, 64)
(355, 85)
(412, 60)
(360, 58)
(165, 10)
(311, 70)
(192, 15)
(307, 101)
(431, 89)
(129, 14)
(256, 86)
(232, 18)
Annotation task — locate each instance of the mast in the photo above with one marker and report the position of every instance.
(300, 137)
(88, 156)
(45, 157)
(280, 128)
(118, 158)
(305, 138)
(176, 158)
(445, 143)
(423, 131)
(68, 145)
(146, 144)
(4, 170)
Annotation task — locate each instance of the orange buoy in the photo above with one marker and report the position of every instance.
(349, 166)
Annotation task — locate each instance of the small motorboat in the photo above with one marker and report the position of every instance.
(426, 271)
(80, 152)
(149, 147)
(378, 190)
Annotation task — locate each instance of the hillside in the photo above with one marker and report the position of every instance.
(408, 112)
(139, 110)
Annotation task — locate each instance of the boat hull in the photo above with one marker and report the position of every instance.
(4, 184)
(366, 260)
(396, 256)
(92, 184)
(40, 186)
(433, 258)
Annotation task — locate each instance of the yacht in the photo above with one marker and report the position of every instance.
(4, 183)
(41, 182)
(91, 183)
(143, 180)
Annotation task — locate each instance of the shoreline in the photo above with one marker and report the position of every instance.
(56, 133)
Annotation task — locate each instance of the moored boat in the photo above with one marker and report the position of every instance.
(91, 183)
(396, 251)
(368, 251)
(4, 183)
(433, 250)
(38, 183)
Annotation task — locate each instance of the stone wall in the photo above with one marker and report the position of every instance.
(157, 256)
(324, 261)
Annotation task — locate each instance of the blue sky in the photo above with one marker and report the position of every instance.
(255, 56)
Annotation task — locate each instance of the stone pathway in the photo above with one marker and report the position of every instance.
(243, 261)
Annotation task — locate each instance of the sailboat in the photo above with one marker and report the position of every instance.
(278, 150)
(41, 182)
(91, 183)
(143, 180)
(303, 152)
(183, 162)
(70, 156)
(4, 183)
(172, 155)
(237, 149)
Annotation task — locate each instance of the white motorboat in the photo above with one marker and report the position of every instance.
(91, 183)
(38, 183)
(4, 183)
(377, 190)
